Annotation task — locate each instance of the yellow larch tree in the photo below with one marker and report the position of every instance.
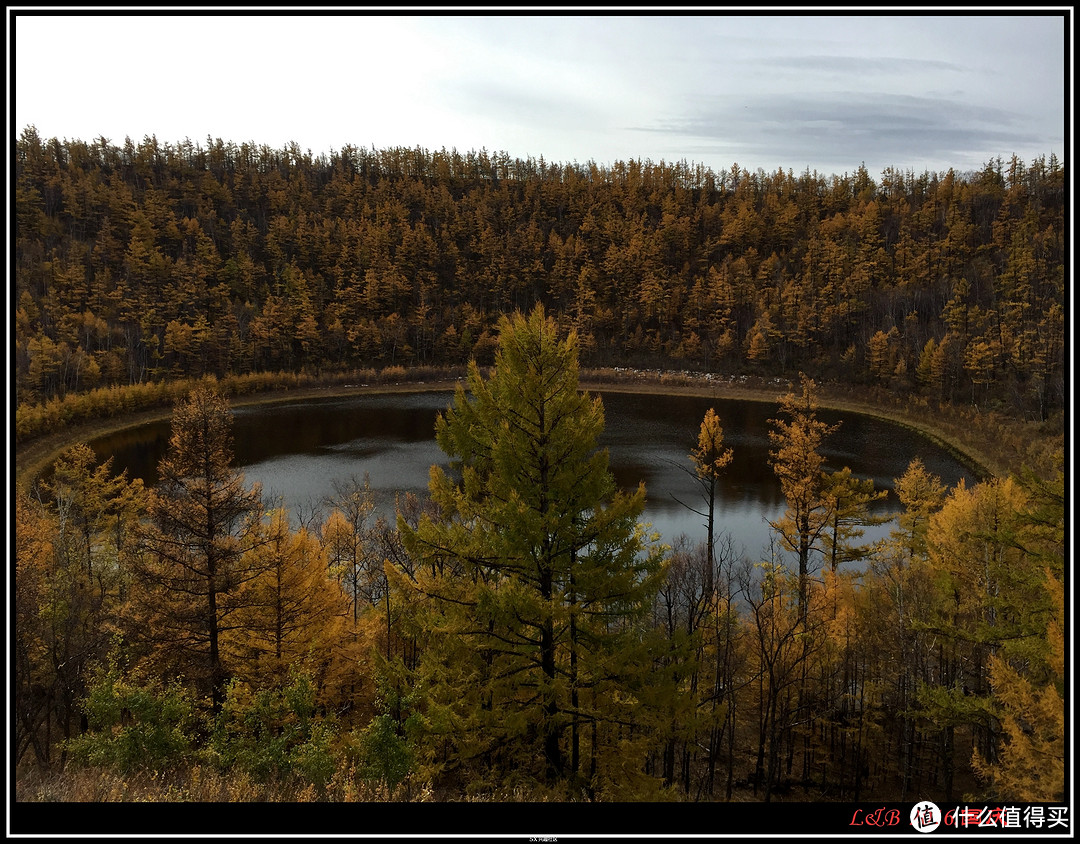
(292, 611)
(1031, 762)
(797, 460)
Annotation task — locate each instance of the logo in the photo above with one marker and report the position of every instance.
(925, 816)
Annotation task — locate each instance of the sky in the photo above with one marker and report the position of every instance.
(774, 91)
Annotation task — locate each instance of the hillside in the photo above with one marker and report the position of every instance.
(152, 262)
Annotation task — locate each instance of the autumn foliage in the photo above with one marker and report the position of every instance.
(519, 635)
(149, 262)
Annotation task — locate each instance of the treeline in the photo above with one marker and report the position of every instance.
(149, 262)
(520, 636)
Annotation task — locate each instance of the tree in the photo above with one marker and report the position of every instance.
(348, 543)
(782, 649)
(1031, 765)
(922, 494)
(709, 459)
(203, 522)
(880, 364)
(849, 501)
(924, 372)
(692, 615)
(71, 556)
(537, 575)
(797, 437)
(293, 611)
(95, 510)
(979, 364)
(35, 684)
(992, 604)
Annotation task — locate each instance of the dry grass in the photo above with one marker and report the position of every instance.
(201, 784)
(197, 784)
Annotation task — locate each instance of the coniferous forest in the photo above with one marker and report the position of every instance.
(153, 261)
(517, 635)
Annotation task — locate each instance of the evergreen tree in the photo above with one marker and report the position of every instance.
(537, 575)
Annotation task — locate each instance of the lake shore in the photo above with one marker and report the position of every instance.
(769, 390)
(34, 457)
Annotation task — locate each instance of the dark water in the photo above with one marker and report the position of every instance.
(297, 451)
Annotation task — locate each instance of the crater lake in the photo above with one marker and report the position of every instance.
(298, 450)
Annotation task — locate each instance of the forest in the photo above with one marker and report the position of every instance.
(150, 262)
(517, 634)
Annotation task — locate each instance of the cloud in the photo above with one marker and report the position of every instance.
(824, 91)
(860, 65)
(845, 128)
(521, 107)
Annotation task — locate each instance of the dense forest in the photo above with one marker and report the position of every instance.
(150, 262)
(517, 634)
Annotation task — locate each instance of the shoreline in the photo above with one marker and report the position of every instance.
(33, 458)
(983, 466)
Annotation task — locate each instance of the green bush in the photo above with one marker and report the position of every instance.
(275, 733)
(135, 724)
(385, 747)
(385, 756)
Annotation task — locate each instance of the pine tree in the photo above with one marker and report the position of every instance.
(537, 576)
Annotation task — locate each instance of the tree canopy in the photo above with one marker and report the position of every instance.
(153, 261)
(536, 575)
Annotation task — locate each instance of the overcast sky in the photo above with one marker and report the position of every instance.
(772, 91)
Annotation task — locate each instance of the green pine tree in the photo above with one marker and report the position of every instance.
(537, 578)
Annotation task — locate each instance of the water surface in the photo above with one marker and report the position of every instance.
(297, 450)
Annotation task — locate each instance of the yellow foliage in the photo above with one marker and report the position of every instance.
(294, 613)
(710, 456)
(1031, 766)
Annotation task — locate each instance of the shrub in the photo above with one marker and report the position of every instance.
(385, 756)
(135, 723)
(385, 748)
(275, 732)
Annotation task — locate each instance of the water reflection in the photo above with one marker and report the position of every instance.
(298, 450)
